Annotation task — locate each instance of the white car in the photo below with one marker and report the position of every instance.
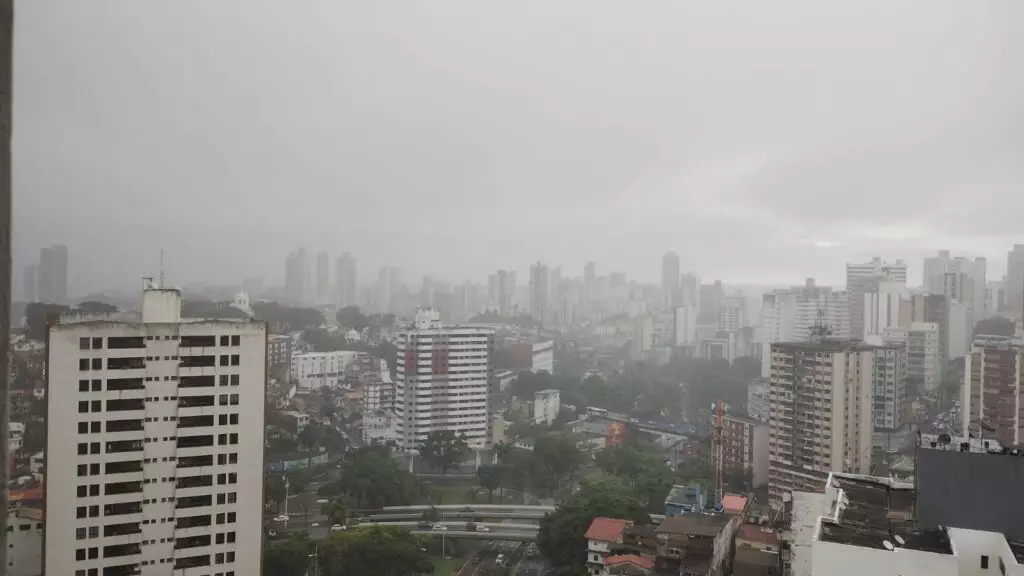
(337, 527)
(439, 527)
(482, 528)
(281, 518)
(322, 501)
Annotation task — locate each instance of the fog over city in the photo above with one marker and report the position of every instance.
(764, 144)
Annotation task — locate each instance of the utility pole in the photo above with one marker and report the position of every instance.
(6, 65)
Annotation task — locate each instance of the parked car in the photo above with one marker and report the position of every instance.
(439, 527)
(337, 527)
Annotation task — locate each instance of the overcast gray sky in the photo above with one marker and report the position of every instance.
(764, 141)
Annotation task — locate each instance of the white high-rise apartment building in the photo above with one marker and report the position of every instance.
(884, 304)
(442, 381)
(790, 315)
(155, 443)
(670, 280)
(924, 360)
(861, 278)
(820, 413)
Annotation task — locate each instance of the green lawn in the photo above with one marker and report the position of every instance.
(444, 567)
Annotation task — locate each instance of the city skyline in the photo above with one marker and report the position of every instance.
(761, 192)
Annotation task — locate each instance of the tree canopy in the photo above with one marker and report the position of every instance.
(491, 477)
(641, 468)
(561, 539)
(371, 478)
(996, 326)
(444, 450)
(352, 317)
(287, 557)
(378, 550)
(554, 462)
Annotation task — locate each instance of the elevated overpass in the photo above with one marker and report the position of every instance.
(460, 525)
(471, 508)
(519, 536)
(467, 515)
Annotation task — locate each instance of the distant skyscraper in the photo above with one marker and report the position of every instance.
(388, 284)
(323, 278)
(1013, 286)
(28, 283)
(670, 280)
(52, 284)
(860, 278)
(345, 272)
(539, 291)
(296, 279)
(504, 287)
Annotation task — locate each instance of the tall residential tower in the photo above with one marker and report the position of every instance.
(154, 444)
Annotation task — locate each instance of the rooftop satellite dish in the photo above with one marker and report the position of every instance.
(899, 540)
(888, 545)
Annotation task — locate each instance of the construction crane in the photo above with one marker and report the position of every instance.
(717, 423)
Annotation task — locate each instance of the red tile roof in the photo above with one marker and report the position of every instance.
(607, 529)
(734, 504)
(629, 559)
(753, 533)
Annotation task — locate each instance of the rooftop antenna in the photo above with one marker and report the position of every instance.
(161, 267)
(819, 329)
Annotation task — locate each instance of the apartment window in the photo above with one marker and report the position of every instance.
(97, 363)
(233, 458)
(233, 438)
(97, 343)
(220, 536)
(81, 512)
(80, 533)
(233, 418)
(97, 385)
(231, 517)
(984, 562)
(224, 359)
(220, 558)
(94, 427)
(94, 490)
(235, 358)
(83, 427)
(83, 343)
(80, 553)
(220, 520)
(234, 399)
(83, 448)
(96, 406)
(236, 340)
(83, 385)
(234, 379)
(222, 439)
(83, 470)
(222, 459)
(83, 490)
(223, 379)
(232, 498)
(83, 364)
(232, 478)
(225, 341)
(94, 511)
(94, 469)
(221, 498)
(223, 400)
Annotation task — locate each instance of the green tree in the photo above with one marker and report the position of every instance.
(288, 557)
(640, 468)
(274, 490)
(443, 450)
(371, 478)
(39, 316)
(351, 317)
(491, 477)
(336, 511)
(554, 461)
(561, 539)
(94, 307)
(378, 550)
(995, 325)
(311, 437)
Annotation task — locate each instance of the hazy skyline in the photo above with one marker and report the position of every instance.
(764, 142)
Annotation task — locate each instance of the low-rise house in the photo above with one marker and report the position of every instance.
(627, 565)
(695, 544)
(602, 535)
(685, 499)
(757, 552)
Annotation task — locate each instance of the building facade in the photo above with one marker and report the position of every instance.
(991, 394)
(546, 406)
(155, 434)
(890, 386)
(820, 413)
(52, 275)
(859, 280)
(924, 367)
(745, 447)
(442, 381)
(318, 369)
